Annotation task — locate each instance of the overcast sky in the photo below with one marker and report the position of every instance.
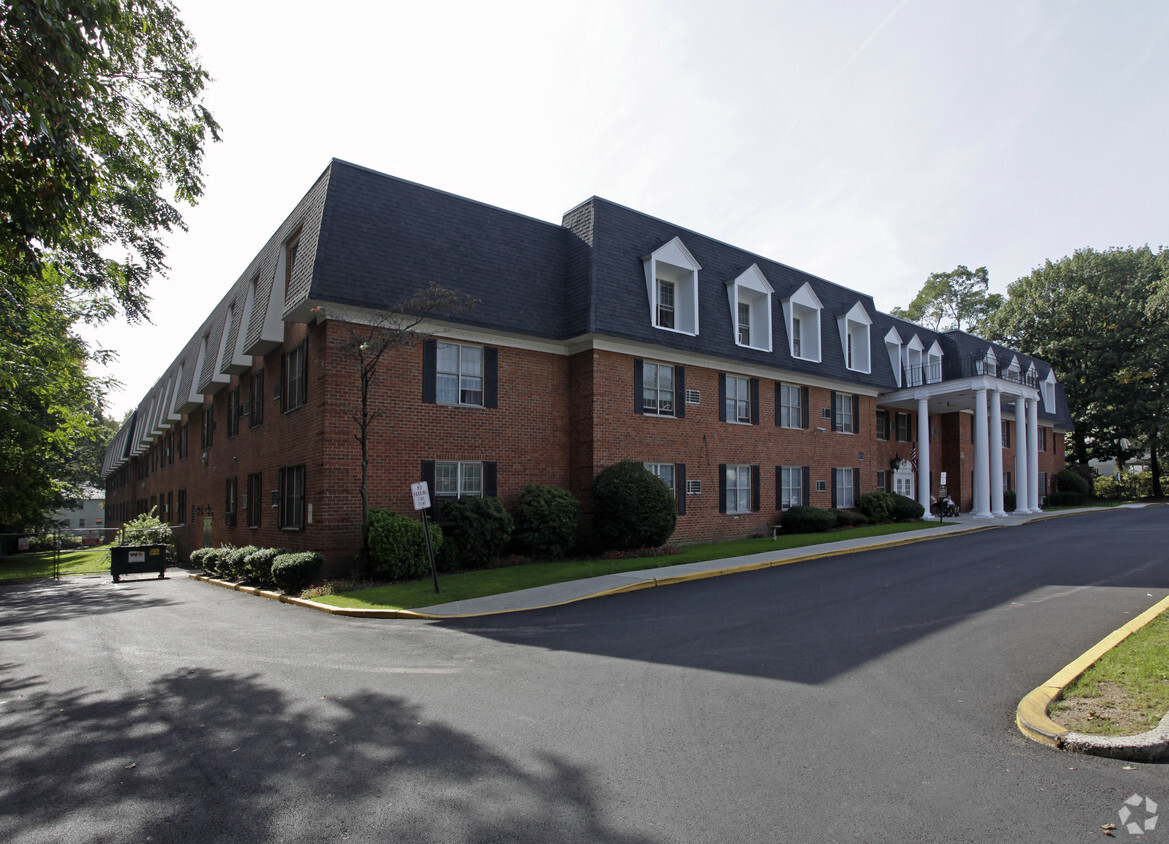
(870, 142)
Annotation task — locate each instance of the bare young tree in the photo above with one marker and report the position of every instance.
(397, 327)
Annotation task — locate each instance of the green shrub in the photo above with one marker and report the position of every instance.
(258, 565)
(805, 519)
(147, 529)
(545, 521)
(1010, 500)
(397, 545)
(906, 509)
(878, 506)
(632, 508)
(212, 560)
(849, 518)
(475, 531)
(48, 542)
(296, 571)
(233, 562)
(1070, 481)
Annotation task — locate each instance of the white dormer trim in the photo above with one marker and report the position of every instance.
(988, 364)
(240, 360)
(671, 265)
(803, 308)
(854, 338)
(911, 359)
(752, 291)
(1013, 370)
(1049, 391)
(174, 414)
(893, 345)
(161, 423)
(271, 311)
(143, 439)
(219, 376)
(933, 364)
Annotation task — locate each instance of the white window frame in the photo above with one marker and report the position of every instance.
(655, 408)
(1049, 392)
(842, 413)
(466, 474)
(752, 291)
(741, 490)
(844, 489)
(666, 473)
(672, 264)
(803, 308)
(791, 487)
(464, 381)
(933, 364)
(893, 350)
(738, 402)
(854, 339)
(913, 357)
(791, 405)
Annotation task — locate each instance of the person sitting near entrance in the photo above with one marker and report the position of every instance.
(949, 508)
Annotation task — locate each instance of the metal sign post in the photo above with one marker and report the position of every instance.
(421, 493)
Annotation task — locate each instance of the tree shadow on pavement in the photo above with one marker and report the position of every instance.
(205, 755)
(24, 604)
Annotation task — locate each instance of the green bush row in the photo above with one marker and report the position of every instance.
(874, 507)
(290, 571)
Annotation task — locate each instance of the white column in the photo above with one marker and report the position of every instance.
(1022, 476)
(923, 454)
(981, 458)
(1033, 454)
(996, 454)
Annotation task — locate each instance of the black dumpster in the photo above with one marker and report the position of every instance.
(137, 559)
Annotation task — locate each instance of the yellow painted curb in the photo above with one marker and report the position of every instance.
(1031, 715)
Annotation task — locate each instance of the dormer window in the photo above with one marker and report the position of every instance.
(914, 371)
(749, 297)
(671, 279)
(1049, 392)
(854, 338)
(933, 364)
(893, 350)
(802, 313)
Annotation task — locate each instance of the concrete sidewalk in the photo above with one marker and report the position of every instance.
(611, 584)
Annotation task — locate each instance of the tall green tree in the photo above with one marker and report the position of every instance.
(1101, 319)
(957, 299)
(102, 133)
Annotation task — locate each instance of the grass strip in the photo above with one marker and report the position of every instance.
(1126, 691)
(463, 586)
(78, 561)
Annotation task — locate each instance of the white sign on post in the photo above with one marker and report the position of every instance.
(421, 493)
(943, 480)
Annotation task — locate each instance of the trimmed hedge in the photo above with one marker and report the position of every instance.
(397, 545)
(878, 506)
(1068, 480)
(805, 519)
(849, 518)
(200, 559)
(294, 572)
(906, 509)
(632, 508)
(233, 562)
(476, 529)
(258, 565)
(545, 521)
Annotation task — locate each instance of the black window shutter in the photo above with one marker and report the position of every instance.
(428, 476)
(778, 405)
(755, 403)
(680, 487)
(856, 414)
(778, 487)
(283, 380)
(804, 399)
(835, 418)
(490, 478)
(430, 373)
(680, 391)
(755, 479)
(834, 488)
(491, 377)
(722, 397)
(806, 498)
(638, 385)
(856, 486)
(304, 371)
(722, 487)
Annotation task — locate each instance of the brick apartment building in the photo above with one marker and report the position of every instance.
(747, 385)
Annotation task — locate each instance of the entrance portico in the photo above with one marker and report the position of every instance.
(983, 395)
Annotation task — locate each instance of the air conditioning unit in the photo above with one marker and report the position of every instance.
(694, 487)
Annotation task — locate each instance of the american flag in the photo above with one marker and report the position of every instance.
(913, 456)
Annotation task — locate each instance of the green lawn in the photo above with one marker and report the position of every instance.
(463, 586)
(80, 561)
(1126, 691)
